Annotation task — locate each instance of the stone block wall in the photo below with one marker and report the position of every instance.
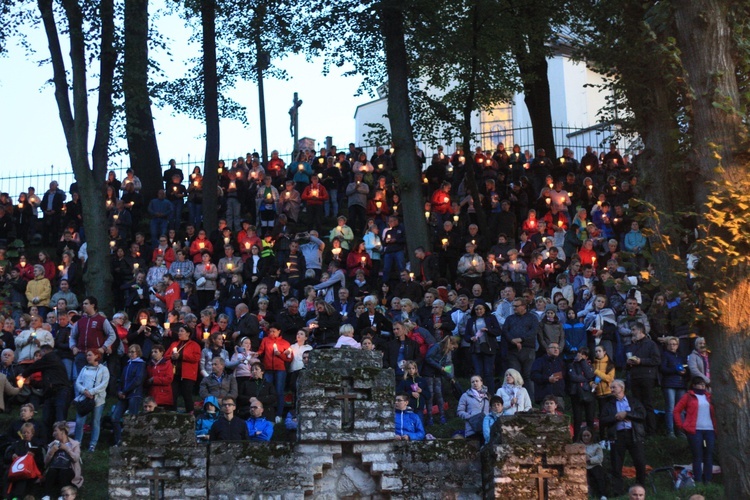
(345, 395)
(534, 460)
(158, 454)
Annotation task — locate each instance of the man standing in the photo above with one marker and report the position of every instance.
(547, 374)
(56, 392)
(93, 331)
(520, 331)
(643, 362)
(394, 242)
(52, 205)
(624, 419)
(228, 427)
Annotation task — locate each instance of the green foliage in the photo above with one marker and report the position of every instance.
(377, 135)
(724, 249)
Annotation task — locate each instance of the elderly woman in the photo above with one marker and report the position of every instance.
(515, 396)
(39, 290)
(92, 384)
(205, 275)
(63, 461)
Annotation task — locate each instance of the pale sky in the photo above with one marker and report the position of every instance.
(31, 137)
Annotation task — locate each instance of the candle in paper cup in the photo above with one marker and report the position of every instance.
(144, 321)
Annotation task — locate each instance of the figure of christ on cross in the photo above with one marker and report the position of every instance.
(544, 472)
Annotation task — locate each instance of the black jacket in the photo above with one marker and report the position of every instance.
(229, 430)
(54, 374)
(648, 352)
(411, 352)
(636, 415)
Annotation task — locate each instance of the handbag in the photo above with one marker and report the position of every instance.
(24, 468)
(85, 406)
(476, 422)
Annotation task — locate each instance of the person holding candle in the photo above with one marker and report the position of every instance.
(357, 193)
(215, 348)
(159, 377)
(315, 196)
(275, 353)
(200, 245)
(185, 355)
(206, 275)
(358, 259)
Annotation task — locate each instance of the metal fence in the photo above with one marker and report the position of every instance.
(599, 137)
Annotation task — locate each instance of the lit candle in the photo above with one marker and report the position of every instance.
(548, 201)
(427, 214)
(174, 350)
(480, 161)
(551, 185)
(23, 263)
(411, 276)
(424, 179)
(144, 321)
(220, 170)
(588, 168)
(288, 266)
(446, 199)
(532, 223)
(444, 241)
(136, 265)
(590, 187)
(378, 204)
(174, 189)
(20, 381)
(570, 195)
(201, 245)
(363, 259)
(206, 335)
(336, 251)
(300, 167)
(461, 159)
(320, 160)
(275, 348)
(337, 164)
(247, 245)
(288, 194)
(192, 176)
(111, 244)
(60, 267)
(562, 160)
(395, 208)
(380, 166)
(229, 266)
(195, 183)
(615, 160)
(115, 217)
(232, 185)
(614, 188)
(526, 166)
(166, 325)
(392, 150)
(559, 223)
(320, 175)
(315, 193)
(238, 174)
(226, 241)
(455, 218)
(20, 205)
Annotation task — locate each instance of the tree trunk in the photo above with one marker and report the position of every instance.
(705, 41)
(469, 107)
(392, 26)
(142, 146)
(75, 123)
(533, 69)
(704, 37)
(260, 67)
(211, 109)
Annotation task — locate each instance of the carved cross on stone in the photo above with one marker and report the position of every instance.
(347, 414)
(542, 474)
(156, 484)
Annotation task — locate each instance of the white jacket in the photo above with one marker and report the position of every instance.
(95, 380)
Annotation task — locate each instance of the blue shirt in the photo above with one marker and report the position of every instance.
(623, 405)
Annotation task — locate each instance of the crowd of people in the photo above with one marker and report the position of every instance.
(538, 300)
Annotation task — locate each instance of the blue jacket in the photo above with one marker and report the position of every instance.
(670, 377)
(259, 425)
(133, 375)
(434, 362)
(409, 424)
(489, 421)
(206, 420)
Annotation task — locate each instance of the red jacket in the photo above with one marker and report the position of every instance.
(689, 404)
(195, 249)
(161, 387)
(171, 295)
(270, 360)
(319, 198)
(190, 356)
(168, 255)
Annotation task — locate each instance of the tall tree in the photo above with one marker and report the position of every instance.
(710, 49)
(397, 66)
(75, 123)
(141, 136)
(211, 111)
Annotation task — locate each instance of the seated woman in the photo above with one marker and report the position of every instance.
(63, 461)
(472, 407)
(29, 443)
(515, 396)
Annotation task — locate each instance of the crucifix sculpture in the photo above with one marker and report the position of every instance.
(347, 406)
(541, 477)
(156, 484)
